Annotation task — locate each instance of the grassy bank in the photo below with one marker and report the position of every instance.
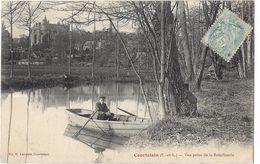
(225, 116)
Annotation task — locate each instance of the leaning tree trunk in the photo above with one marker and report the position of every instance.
(209, 21)
(200, 70)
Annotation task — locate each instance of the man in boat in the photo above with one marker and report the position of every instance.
(103, 113)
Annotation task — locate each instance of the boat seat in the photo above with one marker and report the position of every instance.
(131, 118)
(84, 115)
(139, 119)
(74, 110)
(123, 118)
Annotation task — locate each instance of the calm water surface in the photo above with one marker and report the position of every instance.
(34, 124)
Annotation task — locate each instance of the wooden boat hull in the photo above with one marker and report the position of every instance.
(121, 128)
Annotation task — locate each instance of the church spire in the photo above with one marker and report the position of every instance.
(45, 20)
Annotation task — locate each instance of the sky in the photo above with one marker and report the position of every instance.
(54, 16)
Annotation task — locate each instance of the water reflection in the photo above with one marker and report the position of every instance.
(92, 95)
(99, 152)
(97, 141)
(117, 95)
(33, 121)
(9, 126)
(116, 91)
(27, 124)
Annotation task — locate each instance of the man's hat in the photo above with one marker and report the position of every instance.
(102, 97)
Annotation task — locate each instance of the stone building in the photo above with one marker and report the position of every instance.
(44, 32)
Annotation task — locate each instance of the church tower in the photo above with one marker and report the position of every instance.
(45, 23)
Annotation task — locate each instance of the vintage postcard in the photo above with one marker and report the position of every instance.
(127, 81)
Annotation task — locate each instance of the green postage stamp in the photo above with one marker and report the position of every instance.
(226, 34)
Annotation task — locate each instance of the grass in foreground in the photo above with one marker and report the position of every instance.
(226, 116)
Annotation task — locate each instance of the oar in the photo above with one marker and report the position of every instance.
(131, 114)
(77, 133)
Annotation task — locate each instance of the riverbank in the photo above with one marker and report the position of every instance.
(225, 107)
(21, 83)
(47, 81)
(225, 116)
(50, 76)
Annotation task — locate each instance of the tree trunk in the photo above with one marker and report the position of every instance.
(147, 61)
(70, 44)
(29, 54)
(198, 80)
(209, 21)
(217, 64)
(94, 49)
(243, 60)
(11, 31)
(117, 55)
(185, 42)
(240, 66)
(229, 5)
(162, 65)
(192, 43)
(249, 41)
(242, 48)
(173, 93)
(249, 54)
(185, 102)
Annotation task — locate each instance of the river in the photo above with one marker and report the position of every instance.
(34, 123)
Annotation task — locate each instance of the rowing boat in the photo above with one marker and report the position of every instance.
(122, 125)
